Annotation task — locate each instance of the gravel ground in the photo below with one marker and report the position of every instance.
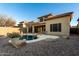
(57, 47)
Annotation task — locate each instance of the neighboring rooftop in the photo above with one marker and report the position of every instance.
(74, 27)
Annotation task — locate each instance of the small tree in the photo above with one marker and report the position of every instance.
(6, 21)
(10, 22)
(2, 20)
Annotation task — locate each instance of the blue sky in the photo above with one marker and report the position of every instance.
(30, 11)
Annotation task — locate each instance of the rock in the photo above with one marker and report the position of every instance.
(18, 43)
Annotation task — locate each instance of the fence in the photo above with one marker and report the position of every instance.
(5, 30)
(74, 31)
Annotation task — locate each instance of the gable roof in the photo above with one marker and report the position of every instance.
(45, 15)
(60, 15)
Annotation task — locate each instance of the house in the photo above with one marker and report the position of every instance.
(78, 26)
(78, 23)
(75, 29)
(51, 24)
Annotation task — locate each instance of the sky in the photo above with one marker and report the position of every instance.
(31, 11)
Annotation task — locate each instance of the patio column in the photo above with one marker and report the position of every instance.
(27, 29)
(32, 29)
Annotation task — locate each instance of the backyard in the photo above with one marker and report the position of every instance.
(57, 47)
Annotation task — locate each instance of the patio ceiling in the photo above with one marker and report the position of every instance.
(35, 24)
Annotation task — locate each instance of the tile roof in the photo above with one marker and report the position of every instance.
(60, 15)
(45, 15)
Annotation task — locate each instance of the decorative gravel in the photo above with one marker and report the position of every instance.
(57, 47)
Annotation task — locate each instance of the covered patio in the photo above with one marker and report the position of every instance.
(37, 27)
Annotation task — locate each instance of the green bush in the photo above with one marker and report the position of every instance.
(13, 35)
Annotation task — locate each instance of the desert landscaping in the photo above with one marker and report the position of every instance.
(57, 47)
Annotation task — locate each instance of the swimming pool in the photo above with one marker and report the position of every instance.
(28, 37)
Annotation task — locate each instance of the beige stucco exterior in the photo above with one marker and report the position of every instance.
(44, 26)
(65, 26)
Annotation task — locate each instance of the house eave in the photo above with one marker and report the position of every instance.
(61, 15)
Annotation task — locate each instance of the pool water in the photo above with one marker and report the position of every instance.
(28, 37)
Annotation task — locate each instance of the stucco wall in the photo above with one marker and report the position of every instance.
(65, 26)
(5, 30)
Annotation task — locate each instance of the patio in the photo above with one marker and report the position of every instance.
(57, 47)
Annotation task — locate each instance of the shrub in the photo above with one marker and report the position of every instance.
(13, 35)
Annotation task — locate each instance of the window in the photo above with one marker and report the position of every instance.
(41, 19)
(55, 27)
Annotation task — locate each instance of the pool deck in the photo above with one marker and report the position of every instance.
(47, 47)
(42, 37)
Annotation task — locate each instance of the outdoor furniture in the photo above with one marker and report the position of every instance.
(17, 43)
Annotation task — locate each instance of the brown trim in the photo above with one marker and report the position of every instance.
(61, 15)
(36, 23)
